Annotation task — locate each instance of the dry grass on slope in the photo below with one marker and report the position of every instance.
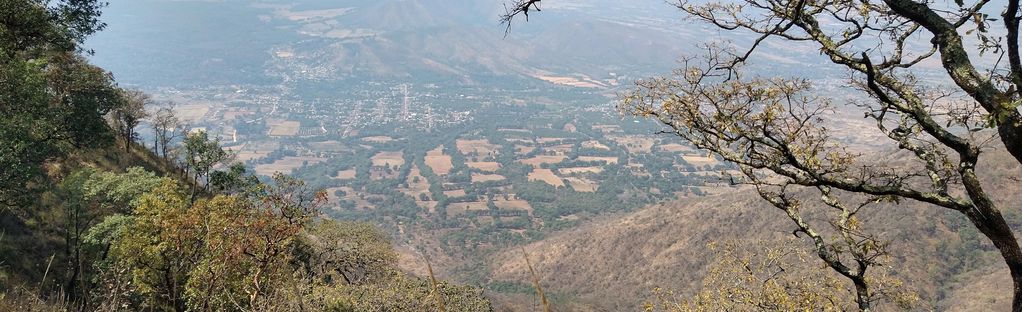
(614, 264)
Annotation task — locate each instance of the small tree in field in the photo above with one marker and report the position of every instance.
(774, 128)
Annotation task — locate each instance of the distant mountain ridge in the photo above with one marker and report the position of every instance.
(437, 40)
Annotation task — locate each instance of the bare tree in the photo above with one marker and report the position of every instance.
(166, 127)
(129, 114)
(774, 128)
(518, 7)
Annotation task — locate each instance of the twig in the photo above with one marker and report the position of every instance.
(436, 287)
(535, 282)
(47, 272)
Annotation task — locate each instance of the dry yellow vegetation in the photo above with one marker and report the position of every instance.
(285, 128)
(560, 149)
(454, 209)
(582, 184)
(634, 143)
(513, 204)
(699, 160)
(477, 177)
(243, 156)
(545, 175)
(389, 159)
(378, 139)
(488, 166)
(480, 146)
(191, 112)
(417, 183)
(345, 174)
(543, 159)
(524, 149)
(574, 170)
(595, 144)
(544, 140)
(436, 160)
(581, 82)
(674, 147)
(609, 160)
(455, 193)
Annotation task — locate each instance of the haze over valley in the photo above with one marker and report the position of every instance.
(550, 164)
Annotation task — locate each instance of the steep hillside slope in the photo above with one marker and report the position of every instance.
(29, 237)
(614, 264)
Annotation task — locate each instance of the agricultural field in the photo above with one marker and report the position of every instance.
(246, 155)
(345, 174)
(486, 166)
(462, 185)
(481, 147)
(350, 195)
(635, 144)
(545, 140)
(675, 148)
(455, 193)
(595, 144)
(478, 178)
(286, 165)
(520, 140)
(697, 160)
(462, 208)
(524, 149)
(438, 162)
(285, 128)
(513, 204)
(609, 160)
(251, 151)
(560, 149)
(191, 112)
(389, 159)
(378, 139)
(547, 176)
(231, 115)
(536, 161)
(417, 183)
(582, 184)
(578, 170)
(332, 146)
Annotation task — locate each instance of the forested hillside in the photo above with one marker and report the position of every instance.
(93, 220)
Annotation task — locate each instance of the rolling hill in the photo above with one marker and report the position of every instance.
(614, 264)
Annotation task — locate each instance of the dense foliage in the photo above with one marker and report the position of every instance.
(116, 227)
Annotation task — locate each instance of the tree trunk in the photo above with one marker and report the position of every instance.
(862, 295)
(1011, 134)
(993, 226)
